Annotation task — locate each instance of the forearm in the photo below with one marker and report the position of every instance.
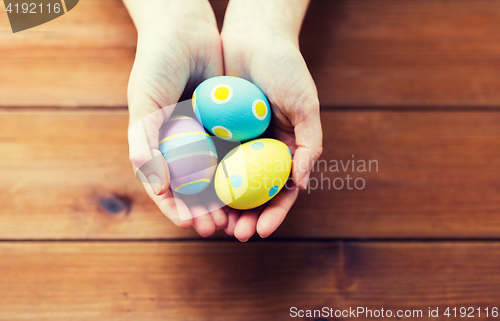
(281, 16)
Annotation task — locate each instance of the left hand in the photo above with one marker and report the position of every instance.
(270, 58)
(178, 46)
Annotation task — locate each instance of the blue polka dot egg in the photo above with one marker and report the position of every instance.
(253, 173)
(231, 108)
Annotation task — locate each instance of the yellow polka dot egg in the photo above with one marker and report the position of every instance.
(253, 173)
(231, 108)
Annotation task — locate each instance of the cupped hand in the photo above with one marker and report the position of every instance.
(270, 58)
(178, 47)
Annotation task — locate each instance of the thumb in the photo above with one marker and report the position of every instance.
(149, 164)
(156, 83)
(309, 140)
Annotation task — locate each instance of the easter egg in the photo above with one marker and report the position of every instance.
(190, 154)
(253, 173)
(231, 108)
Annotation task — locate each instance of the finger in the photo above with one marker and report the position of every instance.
(144, 153)
(215, 206)
(232, 218)
(220, 218)
(155, 172)
(175, 209)
(309, 140)
(276, 211)
(203, 222)
(247, 224)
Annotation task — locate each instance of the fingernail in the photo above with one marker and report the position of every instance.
(155, 182)
(305, 181)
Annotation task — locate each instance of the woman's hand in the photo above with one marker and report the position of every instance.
(178, 47)
(260, 43)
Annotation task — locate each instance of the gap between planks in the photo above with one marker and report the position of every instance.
(119, 109)
(255, 240)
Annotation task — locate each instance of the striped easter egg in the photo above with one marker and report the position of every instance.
(190, 154)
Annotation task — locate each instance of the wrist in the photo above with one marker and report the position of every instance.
(281, 18)
(165, 15)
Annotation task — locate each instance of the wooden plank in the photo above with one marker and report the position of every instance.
(404, 53)
(438, 175)
(80, 59)
(228, 281)
(62, 167)
(66, 77)
(83, 58)
(361, 53)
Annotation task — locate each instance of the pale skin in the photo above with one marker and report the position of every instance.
(179, 46)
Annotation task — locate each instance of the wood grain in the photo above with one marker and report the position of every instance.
(360, 52)
(80, 59)
(66, 175)
(229, 281)
(404, 53)
(83, 58)
(80, 239)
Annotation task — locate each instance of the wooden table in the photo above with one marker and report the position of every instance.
(414, 85)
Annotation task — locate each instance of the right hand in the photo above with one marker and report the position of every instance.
(178, 47)
(261, 44)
